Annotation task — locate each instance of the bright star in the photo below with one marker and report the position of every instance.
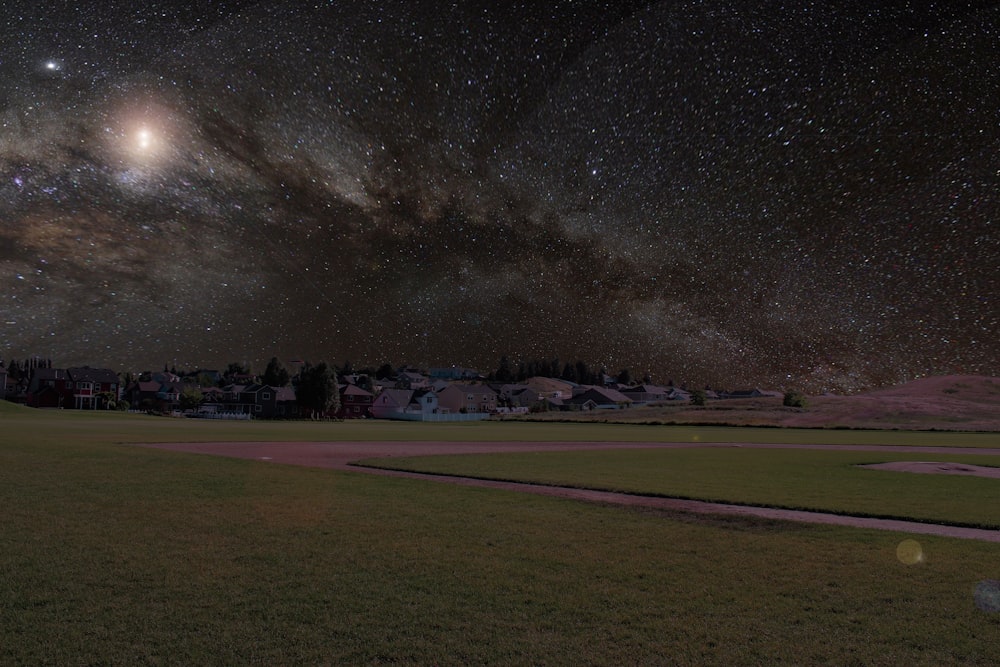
(144, 139)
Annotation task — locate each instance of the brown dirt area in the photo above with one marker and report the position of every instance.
(340, 455)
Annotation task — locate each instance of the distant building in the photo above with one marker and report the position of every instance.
(355, 402)
(468, 398)
(81, 388)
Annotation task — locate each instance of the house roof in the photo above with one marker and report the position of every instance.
(88, 374)
(646, 389)
(543, 384)
(475, 389)
(601, 396)
(399, 397)
(48, 374)
(354, 390)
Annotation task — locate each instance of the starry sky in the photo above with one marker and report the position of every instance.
(757, 193)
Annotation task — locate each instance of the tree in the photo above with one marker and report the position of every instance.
(504, 373)
(385, 372)
(794, 399)
(569, 373)
(190, 398)
(698, 397)
(276, 375)
(237, 368)
(624, 377)
(317, 389)
(365, 382)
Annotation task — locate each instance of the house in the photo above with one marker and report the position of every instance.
(411, 380)
(468, 398)
(675, 394)
(405, 403)
(598, 398)
(746, 393)
(47, 388)
(548, 404)
(390, 402)
(259, 400)
(647, 393)
(355, 402)
(550, 387)
(82, 388)
(518, 395)
(142, 393)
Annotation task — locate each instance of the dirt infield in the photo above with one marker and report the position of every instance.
(340, 455)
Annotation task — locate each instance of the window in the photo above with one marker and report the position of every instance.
(266, 397)
(256, 408)
(69, 385)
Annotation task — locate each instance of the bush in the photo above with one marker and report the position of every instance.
(794, 399)
(698, 397)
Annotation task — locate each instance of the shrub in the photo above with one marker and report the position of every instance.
(794, 399)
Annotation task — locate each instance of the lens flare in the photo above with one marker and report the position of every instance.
(909, 552)
(987, 595)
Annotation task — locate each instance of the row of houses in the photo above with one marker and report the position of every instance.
(410, 395)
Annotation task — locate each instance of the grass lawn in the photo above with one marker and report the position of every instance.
(119, 555)
(829, 481)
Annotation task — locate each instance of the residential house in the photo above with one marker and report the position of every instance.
(142, 394)
(411, 380)
(468, 398)
(748, 393)
(267, 402)
(355, 402)
(598, 398)
(82, 388)
(647, 393)
(550, 387)
(675, 394)
(518, 395)
(391, 403)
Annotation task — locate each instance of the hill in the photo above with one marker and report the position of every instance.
(954, 402)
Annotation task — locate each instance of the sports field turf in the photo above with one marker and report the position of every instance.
(112, 554)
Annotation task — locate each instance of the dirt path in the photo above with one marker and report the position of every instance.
(340, 455)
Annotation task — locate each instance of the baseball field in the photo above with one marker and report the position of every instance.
(113, 553)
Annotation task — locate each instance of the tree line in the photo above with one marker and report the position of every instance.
(578, 372)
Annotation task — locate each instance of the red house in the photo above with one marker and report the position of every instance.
(355, 402)
(75, 388)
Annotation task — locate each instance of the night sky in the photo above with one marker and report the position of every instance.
(755, 193)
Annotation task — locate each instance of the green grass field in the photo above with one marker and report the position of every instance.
(111, 554)
(828, 481)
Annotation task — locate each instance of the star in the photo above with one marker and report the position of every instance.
(785, 204)
(144, 139)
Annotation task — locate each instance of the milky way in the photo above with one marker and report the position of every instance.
(775, 193)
